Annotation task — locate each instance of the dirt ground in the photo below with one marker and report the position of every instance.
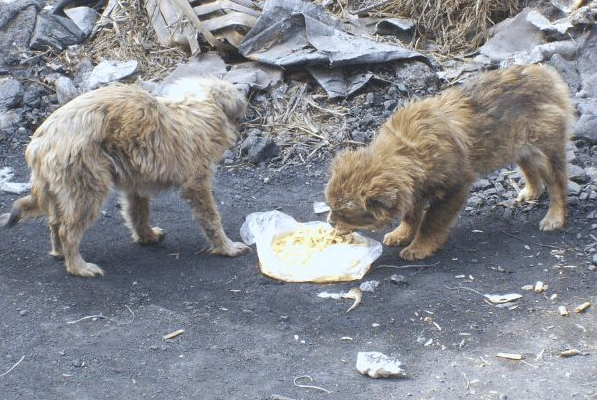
(247, 336)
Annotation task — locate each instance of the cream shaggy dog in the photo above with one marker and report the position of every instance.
(122, 137)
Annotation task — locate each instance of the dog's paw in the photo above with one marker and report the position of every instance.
(56, 254)
(232, 249)
(528, 194)
(86, 270)
(156, 235)
(413, 253)
(552, 223)
(395, 238)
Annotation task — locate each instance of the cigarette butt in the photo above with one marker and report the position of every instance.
(527, 287)
(563, 311)
(582, 307)
(570, 353)
(510, 356)
(539, 287)
(173, 334)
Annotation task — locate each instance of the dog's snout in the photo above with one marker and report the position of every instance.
(330, 219)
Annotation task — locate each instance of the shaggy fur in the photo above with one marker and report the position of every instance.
(426, 157)
(121, 136)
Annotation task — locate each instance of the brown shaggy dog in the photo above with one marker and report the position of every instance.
(426, 156)
(120, 136)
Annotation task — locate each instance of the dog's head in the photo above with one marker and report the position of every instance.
(364, 192)
(229, 97)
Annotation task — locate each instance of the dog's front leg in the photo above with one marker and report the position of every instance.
(204, 209)
(436, 224)
(408, 227)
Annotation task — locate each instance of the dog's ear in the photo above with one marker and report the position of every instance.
(379, 194)
(386, 199)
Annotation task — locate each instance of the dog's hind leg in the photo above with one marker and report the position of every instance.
(554, 173)
(54, 223)
(436, 224)
(136, 211)
(79, 209)
(532, 170)
(204, 209)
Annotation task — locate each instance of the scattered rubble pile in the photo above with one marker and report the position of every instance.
(334, 73)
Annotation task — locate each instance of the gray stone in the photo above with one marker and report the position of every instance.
(11, 94)
(359, 136)
(518, 35)
(568, 70)
(586, 127)
(260, 149)
(17, 21)
(390, 104)
(571, 156)
(481, 184)
(83, 70)
(83, 17)
(573, 189)
(592, 173)
(65, 90)
(33, 97)
(416, 75)
(474, 201)
(576, 173)
(56, 32)
(110, 71)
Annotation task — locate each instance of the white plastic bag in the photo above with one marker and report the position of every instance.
(337, 263)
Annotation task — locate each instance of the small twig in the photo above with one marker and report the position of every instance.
(407, 266)
(467, 380)
(531, 242)
(464, 287)
(310, 386)
(13, 367)
(100, 316)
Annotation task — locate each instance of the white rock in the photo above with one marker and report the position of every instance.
(110, 71)
(320, 207)
(83, 17)
(378, 365)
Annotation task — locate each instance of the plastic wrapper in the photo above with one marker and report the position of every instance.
(338, 262)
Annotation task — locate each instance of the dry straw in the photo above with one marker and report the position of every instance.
(455, 26)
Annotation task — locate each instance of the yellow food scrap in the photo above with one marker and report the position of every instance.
(298, 247)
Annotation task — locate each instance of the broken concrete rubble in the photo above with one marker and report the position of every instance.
(55, 32)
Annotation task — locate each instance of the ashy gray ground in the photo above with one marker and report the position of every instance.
(247, 336)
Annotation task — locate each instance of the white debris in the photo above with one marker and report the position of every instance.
(353, 294)
(539, 287)
(378, 365)
(369, 286)
(6, 174)
(320, 207)
(510, 356)
(329, 295)
(502, 298)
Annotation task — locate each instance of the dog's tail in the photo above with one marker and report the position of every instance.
(25, 207)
